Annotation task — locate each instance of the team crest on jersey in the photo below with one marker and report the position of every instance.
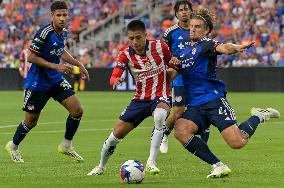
(193, 51)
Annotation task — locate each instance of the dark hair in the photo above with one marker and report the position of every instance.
(135, 25)
(206, 16)
(179, 3)
(56, 5)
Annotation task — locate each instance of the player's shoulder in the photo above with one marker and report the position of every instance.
(44, 31)
(171, 30)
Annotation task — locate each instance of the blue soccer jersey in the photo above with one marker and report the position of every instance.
(48, 45)
(177, 39)
(198, 70)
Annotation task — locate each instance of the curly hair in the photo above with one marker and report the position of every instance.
(206, 16)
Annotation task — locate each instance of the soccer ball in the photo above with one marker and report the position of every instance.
(132, 171)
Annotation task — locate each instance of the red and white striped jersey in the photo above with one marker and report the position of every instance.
(24, 64)
(149, 70)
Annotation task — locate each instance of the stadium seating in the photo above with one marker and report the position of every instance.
(237, 21)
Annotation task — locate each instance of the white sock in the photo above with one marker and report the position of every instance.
(112, 141)
(13, 146)
(155, 144)
(66, 143)
(160, 116)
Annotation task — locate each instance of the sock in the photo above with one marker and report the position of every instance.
(156, 139)
(160, 116)
(20, 133)
(108, 149)
(249, 126)
(72, 125)
(199, 148)
(66, 143)
(205, 135)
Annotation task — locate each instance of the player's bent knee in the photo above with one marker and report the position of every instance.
(77, 112)
(236, 144)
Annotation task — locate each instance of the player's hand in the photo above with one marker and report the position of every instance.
(64, 68)
(84, 73)
(174, 62)
(117, 82)
(244, 47)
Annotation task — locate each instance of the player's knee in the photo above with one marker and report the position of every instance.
(77, 112)
(160, 116)
(236, 144)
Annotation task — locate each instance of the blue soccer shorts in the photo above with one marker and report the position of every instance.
(138, 110)
(217, 112)
(34, 101)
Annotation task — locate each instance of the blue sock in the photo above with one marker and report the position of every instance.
(20, 133)
(199, 148)
(72, 125)
(249, 126)
(205, 135)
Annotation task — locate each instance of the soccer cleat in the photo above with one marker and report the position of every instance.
(219, 170)
(70, 152)
(14, 153)
(96, 171)
(265, 114)
(152, 169)
(164, 144)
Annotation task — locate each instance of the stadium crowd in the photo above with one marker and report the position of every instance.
(238, 21)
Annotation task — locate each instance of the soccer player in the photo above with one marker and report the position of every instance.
(45, 80)
(24, 64)
(147, 62)
(207, 96)
(177, 37)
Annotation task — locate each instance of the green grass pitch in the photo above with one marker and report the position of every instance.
(259, 164)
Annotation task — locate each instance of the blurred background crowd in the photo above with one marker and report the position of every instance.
(238, 21)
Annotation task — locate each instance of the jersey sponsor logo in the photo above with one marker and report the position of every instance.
(186, 63)
(150, 73)
(57, 52)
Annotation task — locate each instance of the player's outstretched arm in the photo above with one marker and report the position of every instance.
(116, 78)
(68, 58)
(35, 59)
(229, 48)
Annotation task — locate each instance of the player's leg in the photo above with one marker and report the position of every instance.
(160, 114)
(192, 122)
(237, 136)
(121, 129)
(130, 118)
(33, 104)
(64, 94)
(178, 107)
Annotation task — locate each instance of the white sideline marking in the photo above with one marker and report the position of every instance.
(55, 122)
(80, 130)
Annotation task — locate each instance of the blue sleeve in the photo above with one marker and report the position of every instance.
(209, 47)
(38, 42)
